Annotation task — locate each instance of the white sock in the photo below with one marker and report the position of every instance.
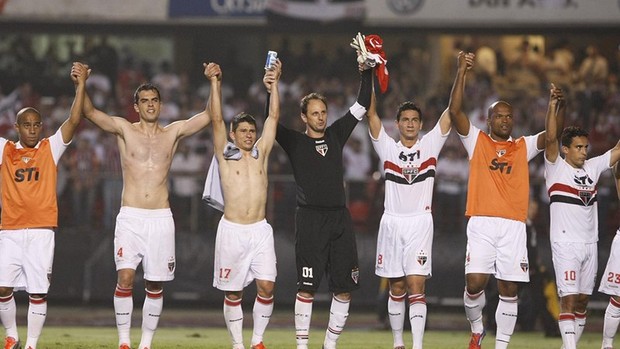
(338, 314)
(233, 315)
(151, 312)
(474, 304)
(610, 325)
(8, 312)
(566, 323)
(263, 308)
(37, 312)
(123, 307)
(303, 316)
(506, 319)
(417, 317)
(580, 325)
(396, 314)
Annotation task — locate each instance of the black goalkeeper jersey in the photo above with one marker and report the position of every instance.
(317, 163)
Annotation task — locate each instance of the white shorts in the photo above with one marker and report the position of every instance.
(26, 258)
(404, 246)
(497, 246)
(145, 236)
(610, 280)
(575, 265)
(243, 253)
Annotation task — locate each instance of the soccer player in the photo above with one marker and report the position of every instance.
(497, 202)
(144, 227)
(244, 246)
(571, 182)
(30, 212)
(323, 226)
(404, 242)
(610, 282)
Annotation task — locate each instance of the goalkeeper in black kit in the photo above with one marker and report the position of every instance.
(325, 242)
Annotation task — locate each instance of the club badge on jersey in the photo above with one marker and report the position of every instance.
(422, 258)
(410, 173)
(171, 264)
(586, 196)
(321, 149)
(355, 274)
(525, 266)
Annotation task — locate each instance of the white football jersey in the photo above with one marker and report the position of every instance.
(409, 172)
(573, 198)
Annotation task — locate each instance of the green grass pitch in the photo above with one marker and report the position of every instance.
(54, 337)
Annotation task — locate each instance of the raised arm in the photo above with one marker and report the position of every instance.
(79, 73)
(465, 62)
(217, 120)
(112, 124)
(455, 106)
(554, 123)
(365, 91)
(271, 81)
(201, 120)
(374, 121)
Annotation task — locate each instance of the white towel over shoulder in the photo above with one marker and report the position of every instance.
(212, 193)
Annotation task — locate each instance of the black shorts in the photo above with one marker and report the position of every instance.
(325, 243)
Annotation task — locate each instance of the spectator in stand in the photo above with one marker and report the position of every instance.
(83, 169)
(185, 178)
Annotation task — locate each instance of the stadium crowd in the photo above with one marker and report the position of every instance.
(89, 177)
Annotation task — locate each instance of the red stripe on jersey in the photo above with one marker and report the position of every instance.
(613, 302)
(565, 188)
(6, 299)
(388, 165)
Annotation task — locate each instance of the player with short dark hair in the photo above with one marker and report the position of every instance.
(144, 227)
(405, 238)
(244, 245)
(571, 180)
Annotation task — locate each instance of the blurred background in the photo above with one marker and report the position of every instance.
(521, 46)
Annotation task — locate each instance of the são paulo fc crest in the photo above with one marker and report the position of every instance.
(26, 159)
(171, 264)
(422, 258)
(585, 196)
(501, 152)
(355, 274)
(525, 266)
(321, 149)
(410, 173)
